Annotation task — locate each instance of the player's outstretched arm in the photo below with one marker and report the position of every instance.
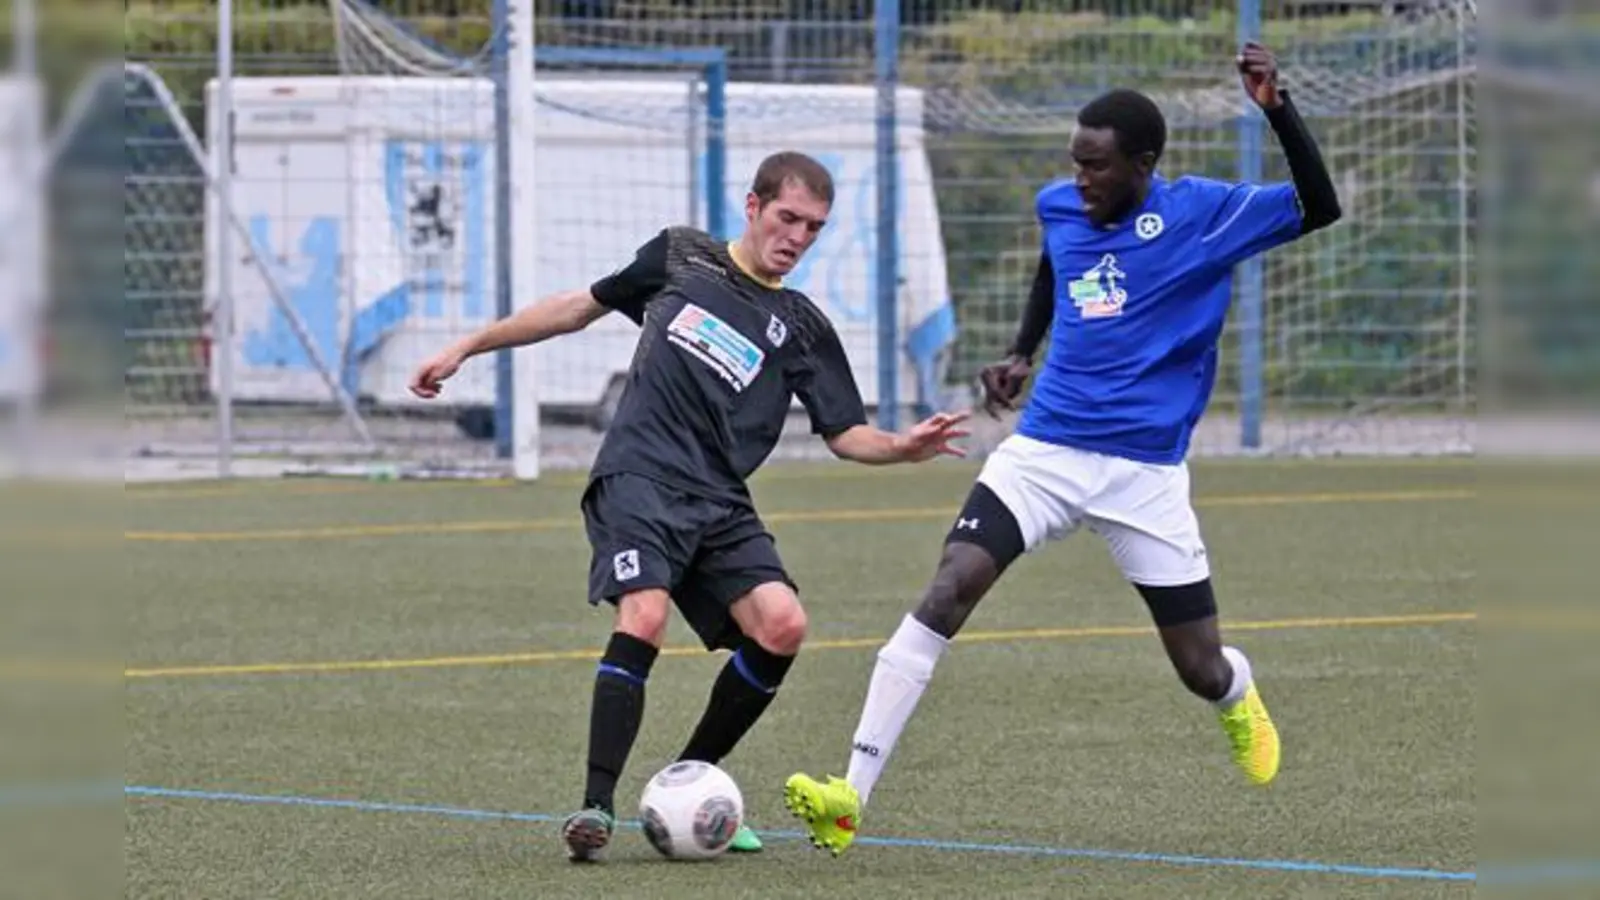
(927, 439)
(626, 290)
(1319, 200)
(552, 316)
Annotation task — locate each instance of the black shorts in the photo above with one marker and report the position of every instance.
(705, 553)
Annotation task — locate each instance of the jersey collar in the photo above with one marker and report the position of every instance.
(733, 254)
(1158, 186)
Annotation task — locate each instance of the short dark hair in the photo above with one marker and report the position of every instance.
(781, 168)
(1134, 118)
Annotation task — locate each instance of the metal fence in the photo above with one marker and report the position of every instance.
(1358, 340)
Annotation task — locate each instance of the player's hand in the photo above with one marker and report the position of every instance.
(1002, 384)
(1258, 69)
(932, 436)
(430, 376)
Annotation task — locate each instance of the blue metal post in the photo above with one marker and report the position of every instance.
(504, 381)
(716, 77)
(1250, 276)
(887, 53)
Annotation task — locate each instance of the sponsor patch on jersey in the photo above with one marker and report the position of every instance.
(1099, 294)
(717, 344)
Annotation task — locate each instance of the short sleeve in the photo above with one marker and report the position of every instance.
(1249, 219)
(822, 379)
(630, 288)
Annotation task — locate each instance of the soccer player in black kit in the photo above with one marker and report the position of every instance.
(724, 349)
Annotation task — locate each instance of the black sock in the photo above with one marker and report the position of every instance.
(742, 692)
(615, 716)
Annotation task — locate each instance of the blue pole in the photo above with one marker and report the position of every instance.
(1252, 292)
(716, 75)
(504, 382)
(887, 54)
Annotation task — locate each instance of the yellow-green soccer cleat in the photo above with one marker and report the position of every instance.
(829, 810)
(1253, 737)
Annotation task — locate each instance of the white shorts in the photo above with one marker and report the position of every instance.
(1142, 510)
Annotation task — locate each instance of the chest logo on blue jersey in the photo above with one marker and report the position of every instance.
(1149, 226)
(777, 332)
(717, 344)
(1098, 293)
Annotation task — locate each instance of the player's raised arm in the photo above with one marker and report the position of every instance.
(627, 291)
(1319, 201)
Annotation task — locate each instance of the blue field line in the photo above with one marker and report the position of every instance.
(1033, 850)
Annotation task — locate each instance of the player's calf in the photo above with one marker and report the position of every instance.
(1186, 617)
(615, 714)
(774, 625)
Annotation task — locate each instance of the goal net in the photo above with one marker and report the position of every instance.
(367, 233)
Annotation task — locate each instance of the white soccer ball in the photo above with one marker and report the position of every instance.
(691, 810)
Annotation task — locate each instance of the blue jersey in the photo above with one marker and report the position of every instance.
(1138, 310)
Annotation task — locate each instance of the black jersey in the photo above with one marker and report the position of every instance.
(721, 358)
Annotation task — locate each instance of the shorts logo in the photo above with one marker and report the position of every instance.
(777, 332)
(626, 565)
(1099, 293)
(968, 524)
(719, 345)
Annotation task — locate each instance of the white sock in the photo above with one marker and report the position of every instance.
(905, 665)
(1241, 677)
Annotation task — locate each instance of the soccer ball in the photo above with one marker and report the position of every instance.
(691, 810)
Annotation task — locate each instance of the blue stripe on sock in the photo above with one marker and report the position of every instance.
(743, 669)
(606, 668)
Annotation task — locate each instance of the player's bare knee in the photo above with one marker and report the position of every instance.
(784, 630)
(643, 614)
(771, 615)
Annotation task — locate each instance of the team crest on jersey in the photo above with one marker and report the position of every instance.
(777, 332)
(717, 344)
(1149, 226)
(1098, 293)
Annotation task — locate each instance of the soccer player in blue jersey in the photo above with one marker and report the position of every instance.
(1134, 283)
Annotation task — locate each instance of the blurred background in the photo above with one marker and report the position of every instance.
(372, 217)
